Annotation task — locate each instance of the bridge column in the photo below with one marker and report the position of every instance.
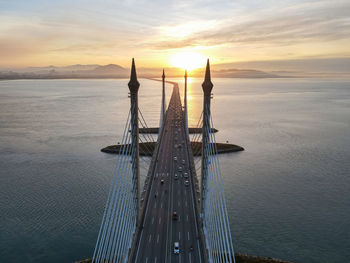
(185, 104)
(207, 87)
(134, 88)
(163, 107)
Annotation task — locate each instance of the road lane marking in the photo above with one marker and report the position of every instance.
(150, 237)
(189, 258)
(160, 219)
(155, 260)
(161, 205)
(188, 235)
(138, 248)
(158, 238)
(200, 259)
(187, 217)
(146, 260)
(186, 203)
(152, 220)
(179, 236)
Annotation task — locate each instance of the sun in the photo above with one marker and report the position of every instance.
(187, 60)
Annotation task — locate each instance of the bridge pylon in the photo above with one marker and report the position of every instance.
(185, 104)
(163, 105)
(134, 110)
(207, 87)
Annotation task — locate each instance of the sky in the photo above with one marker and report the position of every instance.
(160, 33)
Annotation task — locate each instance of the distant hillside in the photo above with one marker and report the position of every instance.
(239, 73)
(109, 69)
(116, 71)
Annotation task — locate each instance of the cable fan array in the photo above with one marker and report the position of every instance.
(119, 219)
(215, 219)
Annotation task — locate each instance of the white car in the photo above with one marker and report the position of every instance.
(176, 248)
(176, 176)
(175, 158)
(187, 183)
(185, 175)
(183, 161)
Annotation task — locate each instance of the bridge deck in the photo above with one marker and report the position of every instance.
(168, 194)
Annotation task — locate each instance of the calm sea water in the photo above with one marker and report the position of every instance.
(288, 193)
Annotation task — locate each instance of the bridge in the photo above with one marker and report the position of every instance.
(180, 214)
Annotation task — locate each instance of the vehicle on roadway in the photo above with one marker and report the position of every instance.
(180, 168)
(183, 161)
(176, 176)
(176, 248)
(175, 216)
(175, 158)
(187, 183)
(162, 181)
(186, 175)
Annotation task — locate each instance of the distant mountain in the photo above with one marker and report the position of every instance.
(76, 67)
(110, 69)
(238, 73)
(307, 67)
(117, 71)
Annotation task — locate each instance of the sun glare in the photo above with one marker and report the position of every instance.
(187, 60)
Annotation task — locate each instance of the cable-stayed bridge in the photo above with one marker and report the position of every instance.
(180, 214)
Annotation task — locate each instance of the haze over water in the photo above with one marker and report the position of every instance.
(287, 193)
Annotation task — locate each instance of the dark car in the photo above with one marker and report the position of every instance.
(175, 216)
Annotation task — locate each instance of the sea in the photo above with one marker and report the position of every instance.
(288, 193)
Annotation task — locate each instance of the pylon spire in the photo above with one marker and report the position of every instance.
(207, 84)
(134, 132)
(133, 83)
(162, 109)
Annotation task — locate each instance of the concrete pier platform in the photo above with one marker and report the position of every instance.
(154, 130)
(146, 149)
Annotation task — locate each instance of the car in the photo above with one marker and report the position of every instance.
(176, 176)
(175, 216)
(183, 161)
(187, 183)
(162, 181)
(176, 248)
(180, 168)
(175, 158)
(186, 175)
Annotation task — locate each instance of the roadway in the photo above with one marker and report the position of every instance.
(169, 194)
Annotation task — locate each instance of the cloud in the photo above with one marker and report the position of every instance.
(38, 31)
(306, 24)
